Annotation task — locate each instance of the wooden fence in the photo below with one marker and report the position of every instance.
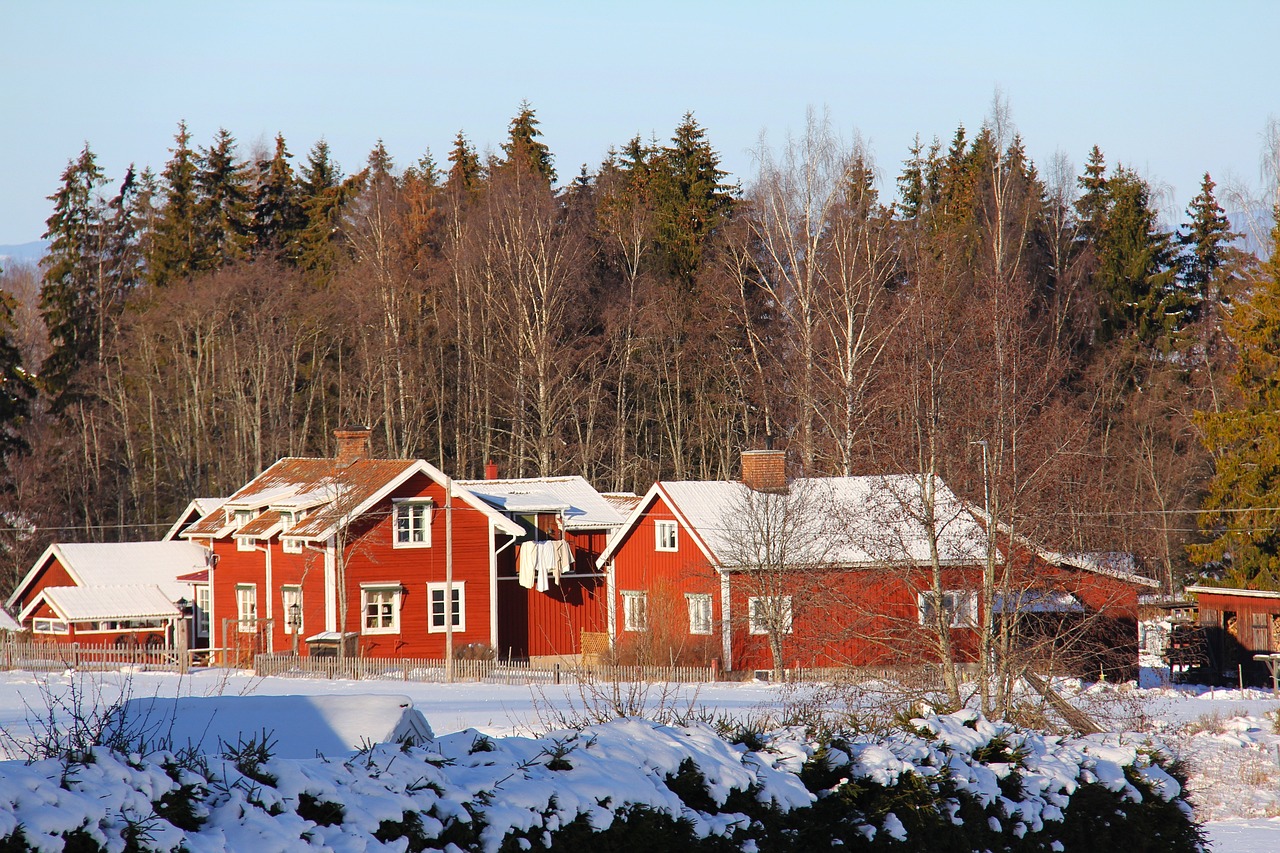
(490, 672)
(52, 657)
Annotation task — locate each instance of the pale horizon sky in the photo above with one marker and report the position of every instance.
(1171, 89)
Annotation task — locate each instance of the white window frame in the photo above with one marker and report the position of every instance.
(44, 625)
(383, 593)
(758, 624)
(203, 600)
(241, 518)
(288, 520)
(635, 610)
(246, 607)
(962, 604)
(415, 514)
(290, 593)
(700, 612)
(436, 591)
(666, 535)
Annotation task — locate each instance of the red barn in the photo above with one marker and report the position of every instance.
(314, 552)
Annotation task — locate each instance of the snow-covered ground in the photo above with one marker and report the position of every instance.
(1227, 737)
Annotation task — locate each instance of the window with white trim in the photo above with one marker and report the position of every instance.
(201, 613)
(48, 626)
(435, 607)
(288, 519)
(381, 608)
(243, 517)
(666, 535)
(960, 605)
(769, 613)
(246, 608)
(290, 597)
(412, 524)
(635, 610)
(699, 612)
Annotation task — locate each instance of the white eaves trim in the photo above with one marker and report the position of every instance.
(1227, 590)
(655, 491)
(420, 466)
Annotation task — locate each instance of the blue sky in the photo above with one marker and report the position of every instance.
(1172, 89)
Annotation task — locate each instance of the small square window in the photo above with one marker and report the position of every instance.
(699, 613)
(769, 613)
(635, 610)
(412, 524)
(666, 535)
(435, 603)
(961, 606)
(381, 608)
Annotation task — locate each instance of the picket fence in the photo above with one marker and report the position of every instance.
(491, 672)
(54, 657)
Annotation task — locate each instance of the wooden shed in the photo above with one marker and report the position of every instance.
(1239, 623)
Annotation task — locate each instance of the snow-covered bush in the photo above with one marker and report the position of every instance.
(941, 783)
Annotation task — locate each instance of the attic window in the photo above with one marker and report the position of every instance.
(288, 520)
(412, 524)
(666, 536)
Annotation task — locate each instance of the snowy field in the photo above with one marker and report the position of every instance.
(1227, 737)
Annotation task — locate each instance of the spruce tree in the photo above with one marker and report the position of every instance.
(223, 212)
(692, 198)
(323, 193)
(1242, 509)
(1136, 271)
(278, 217)
(173, 246)
(911, 182)
(464, 170)
(1091, 206)
(1206, 244)
(524, 148)
(68, 290)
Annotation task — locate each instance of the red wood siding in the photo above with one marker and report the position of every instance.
(535, 624)
(371, 558)
(52, 573)
(667, 577)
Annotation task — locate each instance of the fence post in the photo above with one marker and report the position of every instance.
(557, 673)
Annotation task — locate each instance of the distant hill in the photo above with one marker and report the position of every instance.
(25, 253)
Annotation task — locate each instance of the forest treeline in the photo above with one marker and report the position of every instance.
(1031, 335)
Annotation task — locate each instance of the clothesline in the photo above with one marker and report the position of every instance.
(538, 563)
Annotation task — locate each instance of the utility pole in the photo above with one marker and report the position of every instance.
(448, 578)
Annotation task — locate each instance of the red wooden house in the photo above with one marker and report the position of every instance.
(111, 594)
(701, 569)
(354, 550)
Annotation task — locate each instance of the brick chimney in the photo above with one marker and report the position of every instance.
(353, 444)
(491, 470)
(765, 470)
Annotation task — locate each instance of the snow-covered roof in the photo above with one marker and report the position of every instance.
(86, 604)
(98, 564)
(7, 622)
(197, 509)
(842, 521)
(336, 493)
(583, 507)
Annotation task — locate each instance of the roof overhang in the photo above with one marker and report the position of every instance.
(1232, 591)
